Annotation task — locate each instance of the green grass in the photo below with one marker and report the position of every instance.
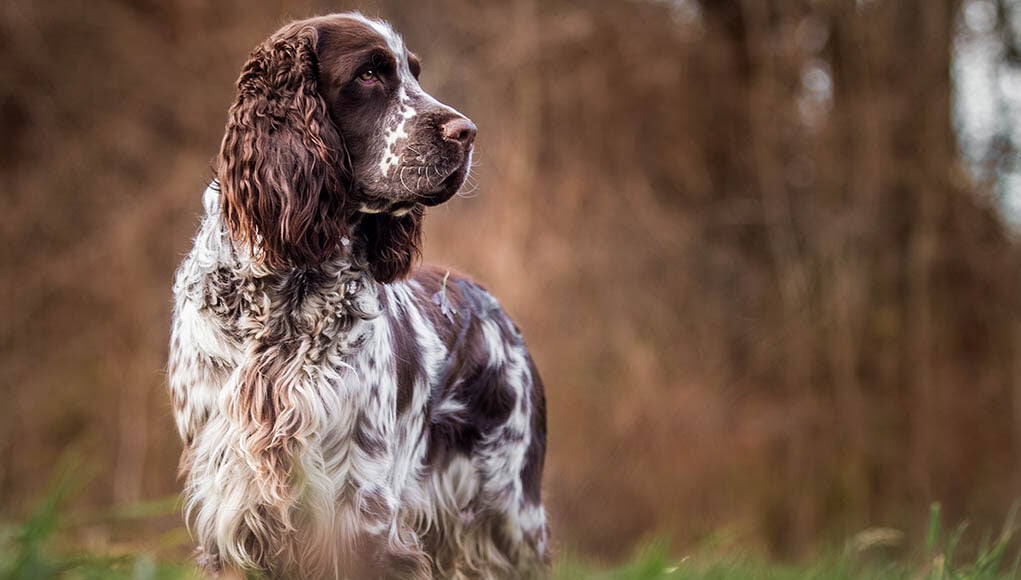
(45, 545)
(865, 556)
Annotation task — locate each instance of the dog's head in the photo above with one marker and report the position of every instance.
(332, 136)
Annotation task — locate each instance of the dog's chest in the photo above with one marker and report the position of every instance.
(367, 436)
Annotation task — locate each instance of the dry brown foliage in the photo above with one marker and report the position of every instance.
(759, 310)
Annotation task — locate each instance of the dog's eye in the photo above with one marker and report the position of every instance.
(368, 76)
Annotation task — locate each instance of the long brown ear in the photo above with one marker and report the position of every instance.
(392, 243)
(279, 164)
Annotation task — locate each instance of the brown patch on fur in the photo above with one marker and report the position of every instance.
(366, 439)
(531, 472)
(392, 243)
(407, 354)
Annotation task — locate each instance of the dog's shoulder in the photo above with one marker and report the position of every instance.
(462, 292)
(455, 303)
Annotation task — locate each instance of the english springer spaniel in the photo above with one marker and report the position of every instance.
(343, 415)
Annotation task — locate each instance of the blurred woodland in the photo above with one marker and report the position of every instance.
(769, 297)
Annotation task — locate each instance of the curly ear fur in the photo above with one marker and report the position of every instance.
(279, 163)
(392, 243)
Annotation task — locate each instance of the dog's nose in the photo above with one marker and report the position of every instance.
(459, 129)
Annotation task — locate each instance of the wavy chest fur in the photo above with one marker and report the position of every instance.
(328, 418)
(285, 392)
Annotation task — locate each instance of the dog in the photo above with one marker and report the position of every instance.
(343, 414)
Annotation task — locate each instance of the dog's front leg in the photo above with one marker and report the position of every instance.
(394, 554)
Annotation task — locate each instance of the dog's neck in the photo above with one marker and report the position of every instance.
(227, 275)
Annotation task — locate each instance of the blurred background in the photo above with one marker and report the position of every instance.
(765, 252)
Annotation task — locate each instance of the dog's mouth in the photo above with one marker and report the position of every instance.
(435, 195)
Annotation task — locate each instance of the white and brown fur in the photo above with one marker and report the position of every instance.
(342, 415)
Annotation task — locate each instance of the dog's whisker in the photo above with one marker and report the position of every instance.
(470, 192)
(406, 188)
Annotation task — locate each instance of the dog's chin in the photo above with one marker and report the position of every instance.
(447, 188)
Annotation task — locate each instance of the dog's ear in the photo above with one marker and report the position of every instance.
(392, 243)
(280, 162)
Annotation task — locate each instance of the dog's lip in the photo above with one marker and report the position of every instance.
(398, 209)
